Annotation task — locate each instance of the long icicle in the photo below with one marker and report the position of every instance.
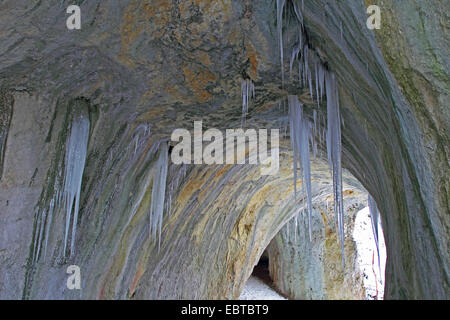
(158, 193)
(300, 138)
(74, 168)
(374, 217)
(293, 125)
(247, 92)
(334, 154)
(324, 79)
(280, 7)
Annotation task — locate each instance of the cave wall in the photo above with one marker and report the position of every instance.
(164, 64)
(311, 270)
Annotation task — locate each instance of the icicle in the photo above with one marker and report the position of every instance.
(313, 134)
(300, 73)
(315, 121)
(374, 217)
(295, 227)
(280, 7)
(41, 233)
(334, 153)
(142, 131)
(49, 222)
(321, 78)
(299, 14)
(158, 193)
(74, 168)
(294, 56)
(300, 138)
(36, 237)
(247, 92)
(176, 181)
(307, 70)
(317, 83)
(300, 127)
(306, 169)
(294, 129)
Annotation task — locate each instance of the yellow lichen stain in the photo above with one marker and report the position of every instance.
(324, 218)
(197, 81)
(135, 282)
(196, 182)
(214, 8)
(119, 259)
(204, 58)
(235, 36)
(223, 170)
(136, 18)
(253, 59)
(348, 193)
(339, 282)
(141, 265)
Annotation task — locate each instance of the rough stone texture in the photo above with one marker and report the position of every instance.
(6, 104)
(256, 289)
(304, 269)
(166, 63)
(415, 43)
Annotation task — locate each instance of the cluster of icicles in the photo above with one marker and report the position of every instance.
(67, 187)
(160, 190)
(67, 196)
(303, 131)
(75, 161)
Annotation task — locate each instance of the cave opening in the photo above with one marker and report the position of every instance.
(368, 269)
(261, 269)
(294, 266)
(371, 261)
(260, 286)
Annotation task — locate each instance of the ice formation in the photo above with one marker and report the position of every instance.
(44, 220)
(374, 217)
(178, 175)
(76, 150)
(159, 192)
(247, 92)
(334, 147)
(301, 136)
(142, 132)
(66, 188)
(49, 220)
(301, 127)
(280, 7)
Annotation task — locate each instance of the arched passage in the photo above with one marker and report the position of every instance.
(394, 140)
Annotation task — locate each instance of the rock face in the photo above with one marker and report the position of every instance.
(145, 68)
(304, 269)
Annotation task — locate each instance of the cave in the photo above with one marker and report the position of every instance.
(261, 269)
(260, 286)
(118, 167)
